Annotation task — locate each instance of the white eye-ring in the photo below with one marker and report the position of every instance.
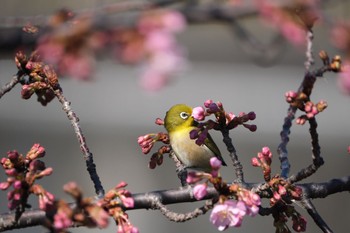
(184, 115)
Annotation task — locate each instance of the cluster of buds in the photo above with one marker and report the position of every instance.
(281, 219)
(283, 191)
(42, 79)
(334, 65)
(223, 119)
(302, 102)
(22, 172)
(251, 200)
(85, 211)
(147, 142)
(227, 212)
(264, 160)
(114, 202)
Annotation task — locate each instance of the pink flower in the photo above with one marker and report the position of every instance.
(344, 78)
(173, 21)
(198, 113)
(252, 201)
(159, 40)
(228, 214)
(77, 66)
(293, 33)
(152, 80)
(340, 35)
(127, 228)
(199, 191)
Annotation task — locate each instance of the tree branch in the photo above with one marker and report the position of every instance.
(166, 197)
(8, 86)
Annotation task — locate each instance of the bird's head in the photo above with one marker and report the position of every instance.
(178, 117)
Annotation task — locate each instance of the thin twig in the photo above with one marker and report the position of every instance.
(309, 55)
(233, 154)
(91, 167)
(182, 217)
(8, 86)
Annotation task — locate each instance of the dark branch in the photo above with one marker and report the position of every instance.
(233, 154)
(8, 86)
(166, 197)
(317, 160)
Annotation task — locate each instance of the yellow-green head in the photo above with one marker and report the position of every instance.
(178, 117)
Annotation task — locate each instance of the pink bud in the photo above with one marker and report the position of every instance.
(193, 177)
(128, 202)
(207, 103)
(282, 190)
(17, 184)
(17, 196)
(215, 163)
(159, 121)
(140, 140)
(4, 185)
(230, 116)
(11, 172)
(198, 113)
(199, 191)
(255, 162)
(3, 160)
(48, 171)
(276, 196)
(13, 155)
(122, 184)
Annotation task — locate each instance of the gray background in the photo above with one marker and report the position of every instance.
(114, 111)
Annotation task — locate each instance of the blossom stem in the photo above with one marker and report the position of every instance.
(91, 167)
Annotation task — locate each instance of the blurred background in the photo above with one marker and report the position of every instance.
(114, 110)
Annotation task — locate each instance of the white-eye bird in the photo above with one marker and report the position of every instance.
(179, 123)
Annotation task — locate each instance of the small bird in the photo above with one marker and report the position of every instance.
(179, 123)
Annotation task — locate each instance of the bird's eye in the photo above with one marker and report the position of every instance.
(184, 115)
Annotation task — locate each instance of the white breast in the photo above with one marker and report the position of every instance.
(188, 152)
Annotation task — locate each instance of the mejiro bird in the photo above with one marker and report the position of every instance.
(179, 123)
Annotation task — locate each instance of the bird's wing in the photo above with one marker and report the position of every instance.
(214, 148)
